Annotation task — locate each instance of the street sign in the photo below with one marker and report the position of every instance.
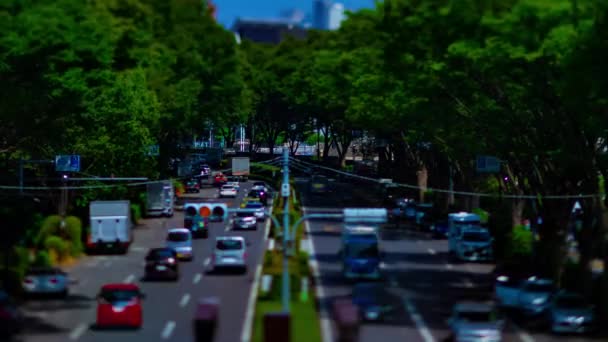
(365, 215)
(285, 190)
(67, 163)
(488, 164)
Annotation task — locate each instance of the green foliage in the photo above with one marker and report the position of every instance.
(484, 215)
(135, 213)
(42, 259)
(50, 227)
(58, 245)
(521, 242)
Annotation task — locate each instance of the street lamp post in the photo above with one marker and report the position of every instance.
(285, 194)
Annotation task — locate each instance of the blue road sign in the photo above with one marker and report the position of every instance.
(488, 164)
(67, 163)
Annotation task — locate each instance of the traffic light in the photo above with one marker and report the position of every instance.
(213, 211)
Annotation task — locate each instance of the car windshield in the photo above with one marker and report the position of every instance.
(178, 237)
(119, 295)
(244, 214)
(161, 253)
(41, 271)
(229, 245)
(227, 187)
(476, 237)
(258, 184)
(254, 205)
(254, 193)
(477, 316)
(571, 302)
(540, 287)
(361, 250)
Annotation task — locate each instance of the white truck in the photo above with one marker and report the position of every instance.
(240, 167)
(160, 199)
(110, 226)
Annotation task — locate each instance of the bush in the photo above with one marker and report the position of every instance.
(135, 213)
(521, 242)
(58, 245)
(179, 187)
(50, 226)
(483, 215)
(42, 259)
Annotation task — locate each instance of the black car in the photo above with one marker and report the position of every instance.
(374, 301)
(260, 194)
(161, 263)
(193, 186)
(11, 318)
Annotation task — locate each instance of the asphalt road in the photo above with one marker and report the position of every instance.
(419, 274)
(169, 306)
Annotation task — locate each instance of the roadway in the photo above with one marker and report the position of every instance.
(169, 306)
(418, 273)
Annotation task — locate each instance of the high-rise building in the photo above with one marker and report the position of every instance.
(320, 10)
(266, 30)
(336, 16)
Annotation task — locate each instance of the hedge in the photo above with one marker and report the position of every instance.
(135, 213)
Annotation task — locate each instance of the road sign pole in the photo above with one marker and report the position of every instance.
(20, 176)
(286, 237)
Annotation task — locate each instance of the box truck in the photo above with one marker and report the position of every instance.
(111, 226)
(240, 167)
(160, 199)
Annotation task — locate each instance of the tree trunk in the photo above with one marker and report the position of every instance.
(423, 176)
(517, 210)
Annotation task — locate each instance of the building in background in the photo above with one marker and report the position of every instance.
(271, 31)
(320, 13)
(336, 16)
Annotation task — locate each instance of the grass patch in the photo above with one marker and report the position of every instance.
(304, 325)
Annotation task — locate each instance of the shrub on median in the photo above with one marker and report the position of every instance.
(135, 213)
(56, 247)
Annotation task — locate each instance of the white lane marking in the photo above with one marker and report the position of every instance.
(227, 228)
(78, 331)
(107, 264)
(129, 279)
(418, 321)
(326, 332)
(137, 249)
(469, 268)
(253, 292)
(168, 330)
(418, 241)
(524, 336)
(449, 266)
(206, 262)
(432, 251)
(197, 278)
(467, 282)
(185, 300)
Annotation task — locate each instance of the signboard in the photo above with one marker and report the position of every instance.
(365, 215)
(488, 164)
(153, 150)
(67, 163)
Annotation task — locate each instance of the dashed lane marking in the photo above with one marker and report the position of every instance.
(107, 264)
(168, 330)
(449, 266)
(432, 251)
(197, 278)
(207, 262)
(185, 300)
(418, 321)
(78, 331)
(129, 279)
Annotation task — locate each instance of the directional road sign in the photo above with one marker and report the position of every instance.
(67, 163)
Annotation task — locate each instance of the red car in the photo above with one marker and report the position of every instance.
(119, 305)
(220, 179)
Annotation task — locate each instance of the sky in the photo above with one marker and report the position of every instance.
(229, 10)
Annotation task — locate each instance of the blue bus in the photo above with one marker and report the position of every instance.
(360, 253)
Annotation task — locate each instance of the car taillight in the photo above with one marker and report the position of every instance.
(53, 280)
(28, 280)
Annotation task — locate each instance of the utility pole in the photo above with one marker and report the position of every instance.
(285, 194)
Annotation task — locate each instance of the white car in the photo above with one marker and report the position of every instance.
(236, 185)
(230, 253)
(228, 191)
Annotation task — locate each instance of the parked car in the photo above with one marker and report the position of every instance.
(119, 305)
(180, 240)
(228, 191)
(230, 252)
(570, 313)
(246, 221)
(161, 263)
(46, 281)
(193, 186)
(475, 322)
(11, 318)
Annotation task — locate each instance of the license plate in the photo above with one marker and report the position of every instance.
(161, 268)
(180, 255)
(230, 260)
(110, 245)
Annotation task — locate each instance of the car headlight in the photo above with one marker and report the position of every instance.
(575, 319)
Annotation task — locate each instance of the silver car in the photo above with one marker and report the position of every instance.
(259, 209)
(475, 322)
(180, 240)
(230, 253)
(535, 295)
(246, 221)
(570, 313)
(46, 281)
